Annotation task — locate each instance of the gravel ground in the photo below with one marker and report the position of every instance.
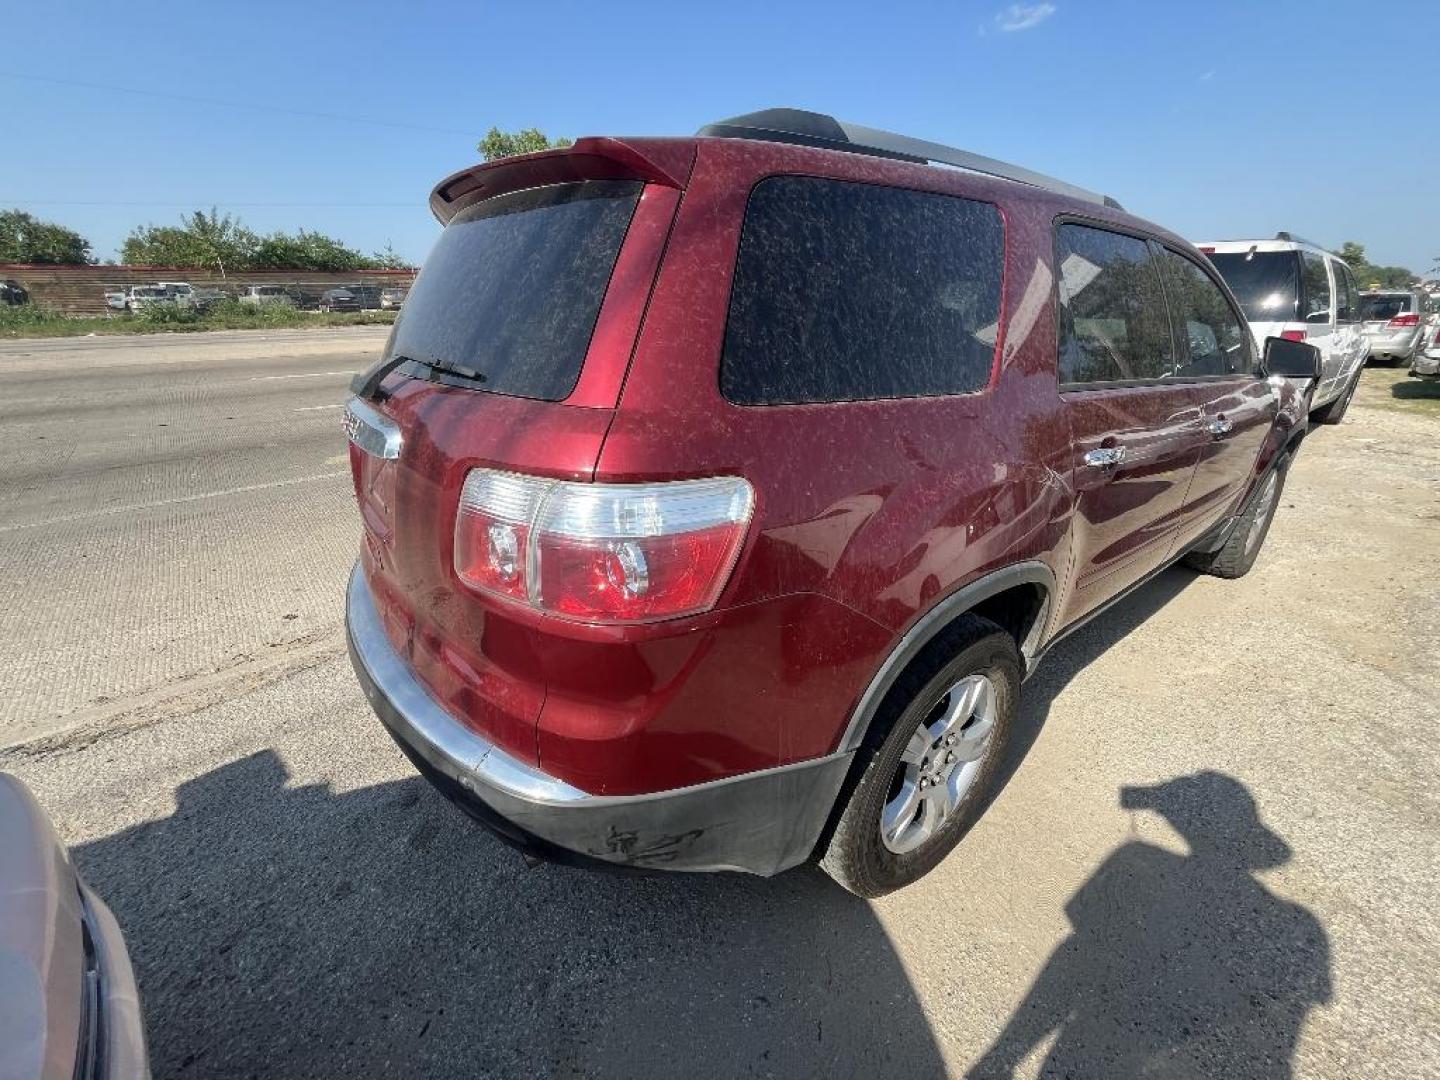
(298, 903)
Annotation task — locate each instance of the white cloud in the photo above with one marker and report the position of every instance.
(1023, 16)
(1208, 75)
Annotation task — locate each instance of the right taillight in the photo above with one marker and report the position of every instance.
(1411, 319)
(607, 553)
(1293, 335)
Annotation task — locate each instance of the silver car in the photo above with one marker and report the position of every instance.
(69, 1009)
(1393, 321)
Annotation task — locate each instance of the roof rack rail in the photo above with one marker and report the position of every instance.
(1291, 238)
(804, 128)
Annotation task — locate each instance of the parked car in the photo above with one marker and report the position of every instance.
(1426, 364)
(302, 298)
(367, 296)
(205, 299)
(1393, 323)
(182, 292)
(13, 294)
(738, 558)
(115, 299)
(265, 295)
(1294, 289)
(68, 1003)
(138, 297)
(339, 300)
(392, 299)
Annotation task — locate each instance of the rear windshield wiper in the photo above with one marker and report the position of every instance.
(366, 385)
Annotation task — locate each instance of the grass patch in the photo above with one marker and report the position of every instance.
(1392, 388)
(35, 321)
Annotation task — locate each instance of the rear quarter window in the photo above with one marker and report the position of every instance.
(847, 291)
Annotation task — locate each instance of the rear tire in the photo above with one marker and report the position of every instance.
(1240, 551)
(952, 718)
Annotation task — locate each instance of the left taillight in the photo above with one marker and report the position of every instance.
(603, 553)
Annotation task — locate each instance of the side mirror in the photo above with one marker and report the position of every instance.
(1293, 359)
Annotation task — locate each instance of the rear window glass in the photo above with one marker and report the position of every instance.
(1267, 283)
(513, 286)
(846, 291)
(1385, 307)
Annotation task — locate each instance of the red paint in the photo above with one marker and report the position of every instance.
(866, 513)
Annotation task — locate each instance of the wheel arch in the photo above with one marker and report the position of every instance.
(1018, 598)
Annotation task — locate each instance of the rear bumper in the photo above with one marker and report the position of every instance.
(760, 822)
(1400, 345)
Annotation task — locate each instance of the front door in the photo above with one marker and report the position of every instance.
(1135, 433)
(1237, 405)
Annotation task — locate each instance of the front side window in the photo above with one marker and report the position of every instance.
(1113, 323)
(846, 291)
(1213, 340)
(1315, 288)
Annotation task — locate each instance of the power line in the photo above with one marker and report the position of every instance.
(253, 106)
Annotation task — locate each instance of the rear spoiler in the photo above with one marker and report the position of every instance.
(656, 161)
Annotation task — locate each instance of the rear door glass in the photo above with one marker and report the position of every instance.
(1267, 283)
(1315, 291)
(1114, 323)
(846, 291)
(513, 286)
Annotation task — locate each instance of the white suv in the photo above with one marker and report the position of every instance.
(1290, 288)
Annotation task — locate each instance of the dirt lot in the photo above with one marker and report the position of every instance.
(299, 904)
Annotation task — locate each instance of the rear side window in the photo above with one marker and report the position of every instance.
(1113, 323)
(1315, 291)
(846, 291)
(1213, 340)
(513, 286)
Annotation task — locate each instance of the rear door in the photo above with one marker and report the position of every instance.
(1318, 311)
(1136, 434)
(1237, 406)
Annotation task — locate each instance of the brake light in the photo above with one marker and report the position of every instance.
(1293, 335)
(1410, 319)
(1207, 251)
(611, 553)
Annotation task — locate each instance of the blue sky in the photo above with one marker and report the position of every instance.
(1215, 119)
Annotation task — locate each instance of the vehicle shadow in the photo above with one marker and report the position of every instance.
(1417, 390)
(1177, 965)
(283, 930)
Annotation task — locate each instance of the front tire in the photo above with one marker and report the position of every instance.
(1242, 548)
(929, 778)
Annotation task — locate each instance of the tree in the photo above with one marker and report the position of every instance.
(213, 241)
(306, 251)
(26, 239)
(501, 144)
(1353, 254)
(387, 258)
(1367, 274)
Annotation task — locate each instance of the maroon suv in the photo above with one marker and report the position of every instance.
(719, 493)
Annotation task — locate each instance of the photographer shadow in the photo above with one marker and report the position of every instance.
(1177, 965)
(285, 930)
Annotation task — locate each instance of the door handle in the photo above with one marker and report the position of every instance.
(1106, 457)
(1219, 427)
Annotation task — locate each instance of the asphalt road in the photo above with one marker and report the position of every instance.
(299, 904)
